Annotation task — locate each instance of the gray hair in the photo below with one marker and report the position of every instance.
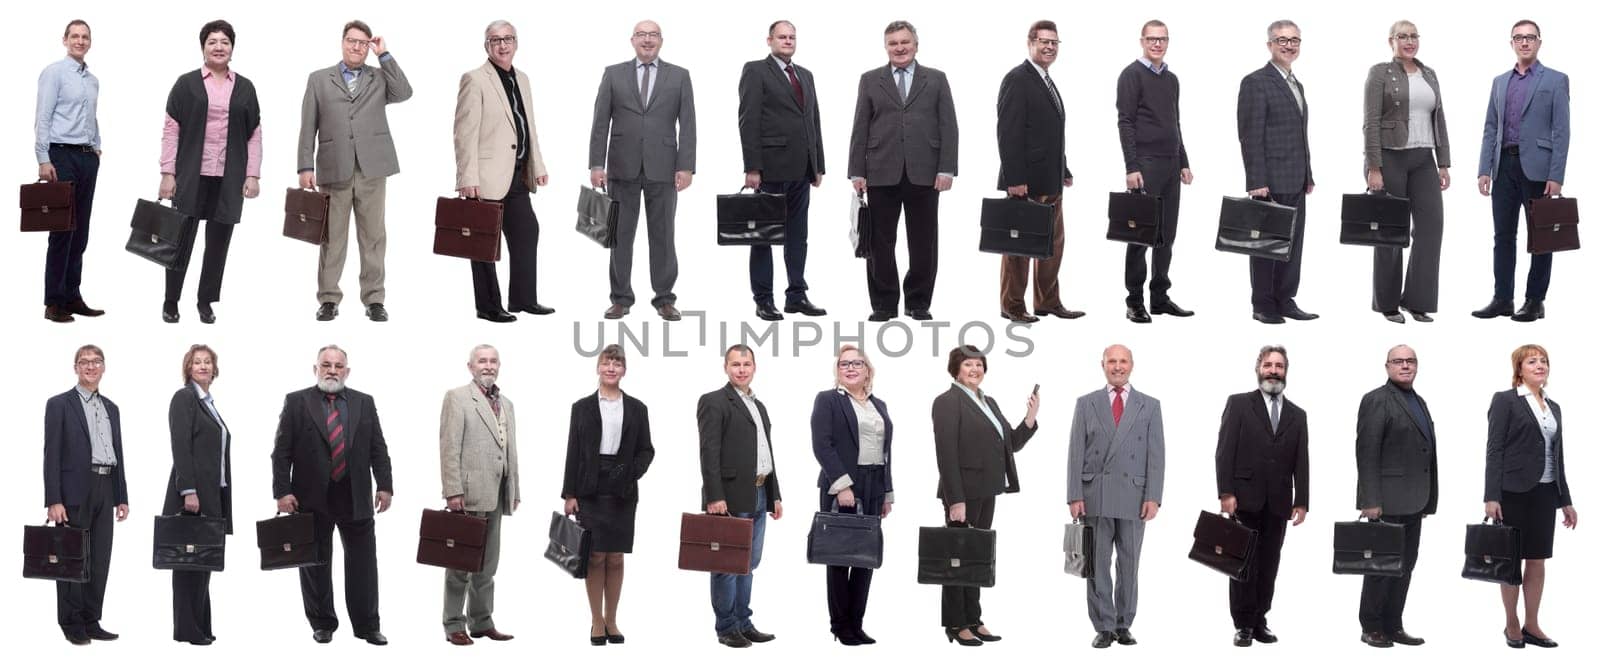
(498, 23)
(897, 26)
(482, 346)
(1270, 349)
(334, 347)
(1279, 25)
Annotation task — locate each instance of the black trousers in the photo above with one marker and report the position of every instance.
(360, 546)
(921, 206)
(63, 258)
(1274, 284)
(215, 259)
(521, 228)
(959, 605)
(1161, 178)
(797, 195)
(1411, 173)
(78, 604)
(1383, 599)
(191, 595)
(848, 587)
(1249, 601)
(1510, 195)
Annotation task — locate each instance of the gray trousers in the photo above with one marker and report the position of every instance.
(1111, 610)
(365, 196)
(661, 208)
(475, 591)
(1412, 174)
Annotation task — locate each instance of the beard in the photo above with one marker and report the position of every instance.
(486, 379)
(1272, 385)
(331, 385)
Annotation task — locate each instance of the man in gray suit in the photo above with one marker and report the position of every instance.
(903, 154)
(1116, 459)
(478, 466)
(345, 148)
(644, 112)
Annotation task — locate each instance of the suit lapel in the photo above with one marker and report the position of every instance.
(843, 402)
(889, 85)
(738, 403)
(918, 82)
(1044, 88)
(1533, 87)
(630, 420)
(783, 80)
(1102, 413)
(1283, 88)
(1258, 405)
(1130, 412)
(488, 70)
(1005, 429)
(337, 78)
(1404, 407)
(313, 403)
(485, 412)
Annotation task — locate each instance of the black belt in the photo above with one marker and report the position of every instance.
(1513, 150)
(101, 469)
(869, 467)
(85, 148)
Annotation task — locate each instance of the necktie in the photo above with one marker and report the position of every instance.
(1116, 408)
(1273, 414)
(1299, 93)
(644, 82)
(1055, 95)
(799, 94)
(351, 84)
(336, 437)
(901, 75)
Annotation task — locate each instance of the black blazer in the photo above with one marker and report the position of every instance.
(68, 452)
(974, 461)
(728, 451)
(1515, 459)
(197, 460)
(1033, 139)
(780, 138)
(1272, 134)
(836, 436)
(916, 139)
(582, 476)
(188, 104)
(1397, 463)
(302, 456)
(1263, 470)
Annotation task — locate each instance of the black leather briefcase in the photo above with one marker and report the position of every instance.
(570, 546)
(1494, 553)
(852, 539)
(189, 542)
(1136, 217)
(453, 540)
(47, 206)
(57, 552)
(1224, 545)
(1375, 219)
(597, 216)
(289, 541)
(752, 219)
(1552, 224)
(161, 234)
(1078, 544)
(1017, 226)
(1369, 548)
(957, 556)
(1256, 227)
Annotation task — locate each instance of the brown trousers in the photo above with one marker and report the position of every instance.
(1046, 286)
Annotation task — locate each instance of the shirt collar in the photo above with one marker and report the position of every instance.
(503, 73)
(603, 398)
(337, 395)
(1158, 69)
(1269, 397)
(205, 73)
(1043, 73)
(743, 394)
(1127, 389)
(1523, 391)
(86, 394)
(969, 392)
(345, 69)
(492, 392)
(1537, 66)
(80, 68)
(204, 395)
(639, 63)
(911, 68)
(782, 65)
(1282, 72)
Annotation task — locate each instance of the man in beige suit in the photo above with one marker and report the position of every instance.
(345, 148)
(478, 466)
(497, 158)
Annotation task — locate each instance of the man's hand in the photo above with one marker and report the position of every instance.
(1066, 182)
(681, 179)
(1186, 176)
(56, 513)
(1483, 186)
(943, 182)
(288, 504)
(1148, 511)
(1230, 504)
(859, 184)
(887, 506)
(597, 178)
(469, 192)
(122, 512)
(1135, 180)
(1260, 192)
(1017, 191)
(377, 47)
(1372, 513)
(958, 512)
(191, 503)
(1491, 509)
(1551, 189)
(382, 502)
(717, 508)
(308, 180)
(1374, 179)
(457, 503)
(1444, 178)
(541, 181)
(777, 510)
(1310, 187)
(571, 506)
(752, 179)
(47, 171)
(817, 182)
(1075, 509)
(1298, 514)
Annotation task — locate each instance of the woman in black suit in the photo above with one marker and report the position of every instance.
(608, 450)
(850, 434)
(199, 484)
(973, 446)
(1525, 482)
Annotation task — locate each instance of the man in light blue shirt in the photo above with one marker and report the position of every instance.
(67, 145)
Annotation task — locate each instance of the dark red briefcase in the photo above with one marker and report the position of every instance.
(468, 228)
(305, 215)
(47, 207)
(57, 552)
(715, 543)
(1552, 224)
(452, 540)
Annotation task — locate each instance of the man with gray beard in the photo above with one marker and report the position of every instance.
(1264, 481)
(328, 449)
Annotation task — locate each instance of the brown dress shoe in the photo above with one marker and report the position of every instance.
(1018, 317)
(492, 634)
(669, 312)
(57, 314)
(77, 307)
(459, 638)
(616, 312)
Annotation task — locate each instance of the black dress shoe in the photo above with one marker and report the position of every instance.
(57, 314)
(986, 637)
(1536, 641)
(954, 635)
(327, 311)
(1267, 318)
(752, 635)
(77, 307)
(1496, 308)
(1138, 314)
(1059, 312)
(377, 313)
(533, 309)
(322, 636)
(1376, 639)
(733, 639)
(207, 316)
(76, 637)
(919, 314)
(1418, 316)
(1243, 637)
(1103, 640)
(864, 638)
(881, 316)
(1394, 316)
(1400, 637)
(200, 642)
(374, 638)
(1518, 643)
(1264, 634)
(1170, 308)
(768, 312)
(497, 315)
(805, 307)
(169, 312)
(1018, 317)
(97, 633)
(1125, 637)
(1532, 309)
(1297, 313)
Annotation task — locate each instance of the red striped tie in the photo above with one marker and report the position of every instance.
(336, 437)
(1116, 408)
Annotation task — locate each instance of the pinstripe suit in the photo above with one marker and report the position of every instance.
(1277, 156)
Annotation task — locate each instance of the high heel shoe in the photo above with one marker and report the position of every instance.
(846, 638)
(981, 635)
(1536, 641)
(207, 316)
(1519, 643)
(954, 635)
(169, 312)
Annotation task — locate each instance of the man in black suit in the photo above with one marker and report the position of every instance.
(1277, 164)
(780, 133)
(328, 449)
(1397, 478)
(1264, 480)
(1033, 163)
(902, 155)
(84, 486)
(738, 477)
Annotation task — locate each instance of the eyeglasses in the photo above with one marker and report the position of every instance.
(1052, 43)
(92, 363)
(642, 35)
(852, 364)
(1407, 37)
(360, 43)
(1403, 361)
(508, 40)
(1286, 41)
(1156, 40)
(1524, 38)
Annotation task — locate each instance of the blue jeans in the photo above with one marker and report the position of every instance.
(730, 594)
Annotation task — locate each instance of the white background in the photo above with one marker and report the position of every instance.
(266, 336)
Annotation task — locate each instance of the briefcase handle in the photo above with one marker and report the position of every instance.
(856, 507)
(68, 524)
(1379, 191)
(1492, 522)
(958, 525)
(1372, 520)
(1137, 191)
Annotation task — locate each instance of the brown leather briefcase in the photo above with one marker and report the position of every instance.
(468, 228)
(47, 207)
(305, 215)
(452, 540)
(715, 543)
(1552, 224)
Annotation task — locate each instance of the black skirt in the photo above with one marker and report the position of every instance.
(1533, 513)
(608, 514)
